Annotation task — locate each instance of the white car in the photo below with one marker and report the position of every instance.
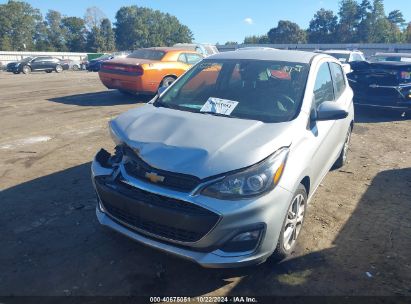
(220, 167)
(346, 57)
(204, 49)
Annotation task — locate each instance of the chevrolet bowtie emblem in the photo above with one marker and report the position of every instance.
(153, 177)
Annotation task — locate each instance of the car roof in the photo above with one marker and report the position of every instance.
(171, 49)
(340, 51)
(267, 54)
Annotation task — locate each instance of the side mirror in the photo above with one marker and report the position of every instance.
(161, 90)
(329, 110)
(347, 68)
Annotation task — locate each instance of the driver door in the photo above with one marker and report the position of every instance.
(322, 133)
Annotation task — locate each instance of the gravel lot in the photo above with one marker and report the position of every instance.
(51, 243)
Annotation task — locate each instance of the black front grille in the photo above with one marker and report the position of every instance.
(137, 168)
(151, 226)
(158, 215)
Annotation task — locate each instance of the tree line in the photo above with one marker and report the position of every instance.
(355, 22)
(23, 28)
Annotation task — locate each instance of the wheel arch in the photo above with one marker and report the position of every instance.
(306, 183)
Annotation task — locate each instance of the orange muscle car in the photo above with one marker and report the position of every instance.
(146, 70)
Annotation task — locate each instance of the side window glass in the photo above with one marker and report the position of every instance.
(182, 58)
(323, 88)
(357, 57)
(338, 79)
(193, 58)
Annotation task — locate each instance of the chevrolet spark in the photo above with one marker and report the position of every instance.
(220, 167)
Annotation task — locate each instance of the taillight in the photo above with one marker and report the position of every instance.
(405, 76)
(135, 69)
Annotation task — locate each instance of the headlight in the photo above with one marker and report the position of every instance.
(253, 181)
(114, 135)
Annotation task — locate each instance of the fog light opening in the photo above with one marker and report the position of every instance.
(242, 242)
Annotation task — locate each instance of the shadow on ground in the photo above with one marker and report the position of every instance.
(52, 245)
(376, 115)
(104, 98)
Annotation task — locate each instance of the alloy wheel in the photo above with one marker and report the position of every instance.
(346, 146)
(294, 221)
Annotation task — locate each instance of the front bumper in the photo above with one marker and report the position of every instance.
(266, 212)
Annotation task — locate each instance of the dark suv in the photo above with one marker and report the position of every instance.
(31, 64)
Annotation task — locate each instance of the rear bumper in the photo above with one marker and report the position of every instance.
(134, 84)
(264, 213)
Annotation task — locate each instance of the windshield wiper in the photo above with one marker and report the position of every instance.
(216, 114)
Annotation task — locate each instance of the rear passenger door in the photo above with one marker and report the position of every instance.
(344, 98)
(37, 64)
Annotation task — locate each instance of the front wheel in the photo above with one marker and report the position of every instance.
(75, 67)
(292, 225)
(342, 159)
(59, 68)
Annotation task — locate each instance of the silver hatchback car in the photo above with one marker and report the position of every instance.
(220, 167)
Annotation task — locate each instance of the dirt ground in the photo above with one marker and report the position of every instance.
(356, 239)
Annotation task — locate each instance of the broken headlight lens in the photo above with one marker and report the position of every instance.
(253, 181)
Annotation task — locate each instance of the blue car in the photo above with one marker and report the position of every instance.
(94, 65)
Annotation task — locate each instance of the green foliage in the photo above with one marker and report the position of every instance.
(396, 17)
(407, 33)
(350, 14)
(18, 22)
(75, 31)
(95, 40)
(138, 27)
(56, 34)
(107, 34)
(231, 43)
(287, 32)
(256, 39)
(322, 27)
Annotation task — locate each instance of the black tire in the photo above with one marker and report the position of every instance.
(281, 252)
(167, 81)
(58, 68)
(75, 67)
(342, 158)
(16, 73)
(26, 69)
(49, 71)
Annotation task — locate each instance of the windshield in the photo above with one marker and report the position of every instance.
(269, 91)
(147, 54)
(341, 57)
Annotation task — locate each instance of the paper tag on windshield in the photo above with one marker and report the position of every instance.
(219, 106)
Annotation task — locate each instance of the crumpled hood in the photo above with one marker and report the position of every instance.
(198, 144)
